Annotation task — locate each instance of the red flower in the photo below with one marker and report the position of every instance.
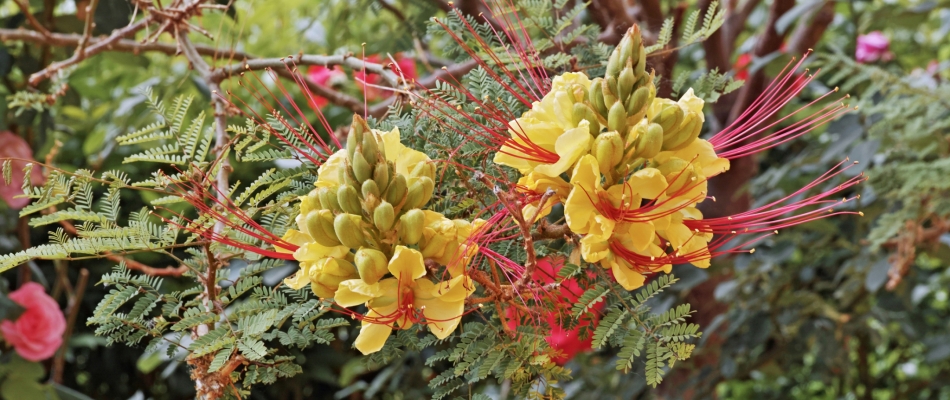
(567, 343)
(404, 66)
(325, 77)
(38, 332)
(742, 66)
(16, 147)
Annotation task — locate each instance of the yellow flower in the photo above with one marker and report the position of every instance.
(406, 161)
(321, 267)
(589, 205)
(538, 184)
(687, 244)
(545, 139)
(701, 154)
(405, 299)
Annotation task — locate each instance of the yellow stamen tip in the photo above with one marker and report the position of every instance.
(861, 213)
(751, 251)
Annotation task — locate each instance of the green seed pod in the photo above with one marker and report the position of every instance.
(381, 175)
(370, 148)
(650, 141)
(347, 228)
(371, 264)
(411, 226)
(616, 118)
(626, 83)
(384, 216)
(591, 117)
(608, 149)
(328, 199)
(317, 223)
(596, 97)
(398, 188)
(362, 169)
(349, 199)
(346, 175)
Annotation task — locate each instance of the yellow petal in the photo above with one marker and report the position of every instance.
(313, 251)
(442, 317)
(569, 147)
(692, 103)
(454, 289)
(594, 248)
(626, 276)
(407, 264)
(298, 280)
(328, 175)
(579, 207)
(647, 182)
(372, 337)
(296, 237)
(636, 236)
(356, 291)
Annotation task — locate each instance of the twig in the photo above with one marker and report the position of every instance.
(121, 45)
(31, 18)
(291, 61)
(59, 362)
(96, 48)
(87, 30)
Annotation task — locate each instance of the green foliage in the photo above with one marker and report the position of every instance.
(712, 21)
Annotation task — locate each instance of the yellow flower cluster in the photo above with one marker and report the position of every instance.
(364, 238)
(628, 167)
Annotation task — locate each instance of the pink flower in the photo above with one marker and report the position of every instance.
(404, 66)
(38, 332)
(325, 77)
(15, 147)
(873, 47)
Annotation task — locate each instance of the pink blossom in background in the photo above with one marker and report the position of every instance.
(873, 47)
(325, 77)
(404, 66)
(14, 146)
(38, 332)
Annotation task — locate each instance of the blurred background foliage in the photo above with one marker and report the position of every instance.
(844, 308)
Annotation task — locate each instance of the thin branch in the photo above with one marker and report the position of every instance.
(31, 18)
(59, 363)
(122, 45)
(130, 263)
(87, 30)
(96, 48)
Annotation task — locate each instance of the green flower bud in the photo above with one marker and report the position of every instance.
(362, 169)
(420, 192)
(649, 141)
(639, 100)
(410, 226)
(596, 96)
(346, 175)
(608, 149)
(678, 173)
(370, 148)
(614, 63)
(616, 118)
(626, 82)
(579, 113)
(578, 93)
(669, 118)
(423, 169)
(310, 202)
(435, 245)
(352, 142)
(381, 174)
(610, 90)
(328, 199)
(317, 223)
(687, 133)
(370, 189)
(398, 188)
(349, 199)
(371, 264)
(384, 216)
(347, 228)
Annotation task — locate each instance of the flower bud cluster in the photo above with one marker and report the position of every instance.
(629, 167)
(364, 238)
